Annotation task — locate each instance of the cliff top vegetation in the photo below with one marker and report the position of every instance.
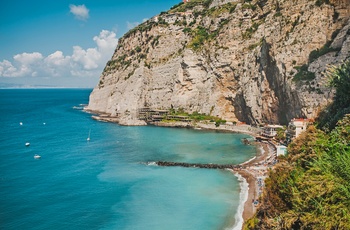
(310, 188)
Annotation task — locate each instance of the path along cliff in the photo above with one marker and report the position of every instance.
(257, 61)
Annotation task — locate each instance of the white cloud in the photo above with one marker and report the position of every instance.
(88, 58)
(80, 11)
(28, 58)
(131, 25)
(83, 62)
(56, 59)
(92, 58)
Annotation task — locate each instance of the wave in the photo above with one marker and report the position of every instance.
(248, 160)
(243, 197)
(78, 107)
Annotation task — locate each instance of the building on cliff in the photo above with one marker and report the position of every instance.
(270, 131)
(296, 127)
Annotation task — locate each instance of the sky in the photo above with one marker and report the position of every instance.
(65, 43)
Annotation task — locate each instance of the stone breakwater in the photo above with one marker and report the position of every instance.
(197, 165)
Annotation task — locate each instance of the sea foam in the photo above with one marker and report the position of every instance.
(243, 197)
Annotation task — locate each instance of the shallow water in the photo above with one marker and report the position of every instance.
(104, 183)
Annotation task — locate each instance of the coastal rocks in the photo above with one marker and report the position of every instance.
(254, 62)
(196, 165)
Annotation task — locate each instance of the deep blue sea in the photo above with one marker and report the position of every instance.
(103, 183)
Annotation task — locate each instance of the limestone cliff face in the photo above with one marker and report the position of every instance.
(253, 61)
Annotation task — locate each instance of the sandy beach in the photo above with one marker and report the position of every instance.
(254, 172)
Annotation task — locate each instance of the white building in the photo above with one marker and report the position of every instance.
(295, 127)
(281, 150)
(270, 131)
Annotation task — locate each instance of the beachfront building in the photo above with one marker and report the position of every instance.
(151, 115)
(295, 127)
(270, 131)
(186, 1)
(281, 150)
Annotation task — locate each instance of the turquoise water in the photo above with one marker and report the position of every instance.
(104, 183)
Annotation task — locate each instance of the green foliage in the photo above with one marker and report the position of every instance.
(200, 36)
(161, 21)
(322, 51)
(303, 74)
(176, 6)
(340, 80)
(278, 14)
(196, 116)
(190, 5)
(130, 74)
(138, 49)
(310, 188)
(249, 32)
(187, 30)
(249, 6)
(281, 137)
(219, 122)
(155, 41)
(215, 12)
(320, 2)
(146, 26)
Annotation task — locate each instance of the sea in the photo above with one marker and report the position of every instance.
(110, 182)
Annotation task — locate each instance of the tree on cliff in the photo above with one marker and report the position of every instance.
(340, 80)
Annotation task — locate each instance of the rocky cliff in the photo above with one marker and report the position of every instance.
(255, 61)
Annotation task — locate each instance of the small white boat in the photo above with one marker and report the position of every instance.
(36, 156)
(21, 123)
(27, 144)
(88, 139)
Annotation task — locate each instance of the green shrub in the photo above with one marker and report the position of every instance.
(249, 6)
(138, 49)
(340, 80)
(187, 30)
(310, 188)
(320, 2)
(200, 36)
(303, 74)
(155, 41)
(322, 51)
(219, 122)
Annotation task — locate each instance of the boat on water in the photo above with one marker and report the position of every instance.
(36, 156)
(27, 144)
(88, 139)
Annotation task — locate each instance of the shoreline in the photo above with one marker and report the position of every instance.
(252, 173)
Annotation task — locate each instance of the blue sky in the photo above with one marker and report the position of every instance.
(65, 43)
